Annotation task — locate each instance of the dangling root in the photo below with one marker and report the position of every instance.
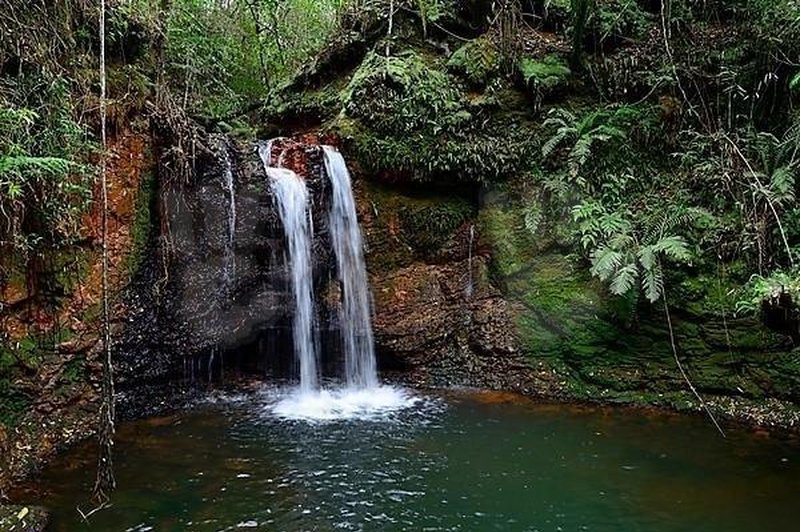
(683, 372)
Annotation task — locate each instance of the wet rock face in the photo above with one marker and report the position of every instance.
(429, 327)
(439, 321)
(206, 290)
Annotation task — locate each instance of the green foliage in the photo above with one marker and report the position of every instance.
(406, 115)
(402, 95)
(546, 74)
(435, 10)
(619, 19)
(767, 288)
(477, 60)
(776, 163)
(44, 185)
(223, 55)
(582, 135)
(794, 83)
(629, 256)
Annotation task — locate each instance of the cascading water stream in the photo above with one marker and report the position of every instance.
(469, 288)
(355, 315)
(363, 397)
(291, 200)
(230, 257)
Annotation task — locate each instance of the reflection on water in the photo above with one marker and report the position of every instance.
(457, 462)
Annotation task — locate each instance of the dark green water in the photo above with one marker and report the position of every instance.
(471, 462)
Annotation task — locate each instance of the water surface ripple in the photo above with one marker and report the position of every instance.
(455, 462)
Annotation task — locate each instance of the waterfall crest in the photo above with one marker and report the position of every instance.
(355, 314)
(291, 200)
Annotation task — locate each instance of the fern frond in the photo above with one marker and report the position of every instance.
(624, 280)
(605, 262)
(653, 283)
(673, 247)
(533, 217)
(647, 257)
(552, 143)
(782, 185)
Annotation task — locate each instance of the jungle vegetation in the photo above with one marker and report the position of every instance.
(654, 139)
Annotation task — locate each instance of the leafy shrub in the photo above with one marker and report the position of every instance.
(44, 184)
(477, 60)
(767, 288)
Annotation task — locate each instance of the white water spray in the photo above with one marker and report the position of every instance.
(291, 200)
(355, 315)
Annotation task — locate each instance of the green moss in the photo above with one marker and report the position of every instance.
(409, 226)
(511, 244)
(24, 352)
(403, 94)
(314, 102)
(142, 223)
(17, 360)
(545, 75)
(69, 266)
(430, 223)
(406, 116)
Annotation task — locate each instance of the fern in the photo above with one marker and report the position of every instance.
(622, 254)
(533, 218)
(672, 247)
(605, 262)
(653, 282)
(624, 280)
(583, 133)
(794, 83)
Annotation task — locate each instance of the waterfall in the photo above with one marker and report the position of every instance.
(230, 256)
(291, 200)
(355, 315)
(265, 152)
(469, 288)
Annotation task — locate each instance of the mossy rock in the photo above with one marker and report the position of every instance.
(23, 518)
(622, 346)
(406, 227)
(544, 76)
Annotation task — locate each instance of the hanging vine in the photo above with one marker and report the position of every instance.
(105, 482)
